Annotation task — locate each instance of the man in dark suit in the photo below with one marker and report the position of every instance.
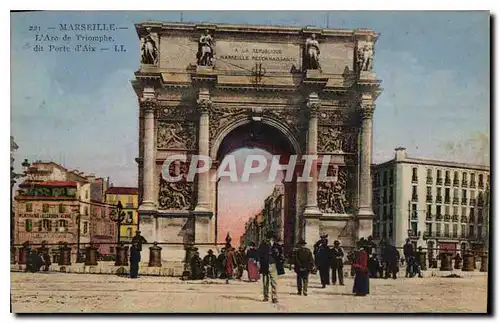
(323, 259)
(271, 260)
(138, 239)
(303, 265)
(135, 259)
(337, 259)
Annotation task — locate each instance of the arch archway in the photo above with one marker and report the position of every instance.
(279, 208)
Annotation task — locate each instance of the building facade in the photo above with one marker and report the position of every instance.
(437, 204)
(128, 196)
(207, 89)
(253, 230)
(53, 204)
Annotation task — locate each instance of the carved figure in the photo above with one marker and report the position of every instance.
(175, 195)
(175, 135)
(149, 51)
(312, 53)
(205, 50)
(367, 58)
(332, 196)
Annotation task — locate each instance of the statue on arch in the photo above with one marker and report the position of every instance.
(312, 52)
(205, 50)
(149, 51)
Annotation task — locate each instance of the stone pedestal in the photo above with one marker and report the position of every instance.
(23, 255)
(121, 255)
(468, 262)
(154, 256)
(64, 256)
(91, 256)
(446, 264)
(484, 263)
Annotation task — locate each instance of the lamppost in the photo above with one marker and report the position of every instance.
(13, 177)
(118, 216)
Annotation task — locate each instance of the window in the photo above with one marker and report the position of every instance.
(438, 173)
(464, 211)
(429, 191)
(85, 227)
(385, 213)
(428, 229)
(129, 232)
(429, 211)
(86, 210)
(472, 217)
(414, 195)
(429, 172)
(391, 196)
(414, 227)
(438, 209)
(111, 249)
(414, 176)
(385, 195)
(28, 225)
(472, 177)
(103, 213)
(455, 230)
(414, 213)
(471, 230)
(446, 229)
(455, 210)
(29, 207)
(464, 231)
(464, 177)
(447, 210)
(45, 208)
(391, 177)
(385, 178)
(455, 176)
(438, 191)
(455, 192)
(481, 181)
(62, 225)
(438, 229)
(46, 225)
(62, 208)
(129, 216)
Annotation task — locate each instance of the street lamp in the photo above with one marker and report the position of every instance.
(118, 216)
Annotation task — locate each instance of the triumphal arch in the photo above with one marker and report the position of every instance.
(207, 89)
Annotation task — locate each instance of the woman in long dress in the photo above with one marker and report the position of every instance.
(252, 258)
(230, 261)
(361, 281)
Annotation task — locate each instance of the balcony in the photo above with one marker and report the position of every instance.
(429, 180)
(464, 183)
(472, 184)
(456, 201)
(472, 202)
(414, 179)
(437, 234)
(428, 217)
(428, 198)
(463, 235)
(413, 234)
(447, 182)
(464, 201)
(439, 181)
(439, 199)
(480, 185)
(454, 218)
(439, 217)
(447, 200)
(456, 182)
(414, 198)
(480, 202)
(463, 219)
(447, 218)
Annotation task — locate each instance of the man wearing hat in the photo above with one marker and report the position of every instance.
(209, 262)
(271, 261)
(337, 263)
(139, 240)
(323, 259)
(303, 265)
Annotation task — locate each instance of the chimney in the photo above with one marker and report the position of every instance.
(400, 153)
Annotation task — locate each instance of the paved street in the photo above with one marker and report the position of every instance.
(55, 292)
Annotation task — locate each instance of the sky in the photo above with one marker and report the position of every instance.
(79, 109)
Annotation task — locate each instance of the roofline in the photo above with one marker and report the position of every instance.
(224, 27)
(433, 162)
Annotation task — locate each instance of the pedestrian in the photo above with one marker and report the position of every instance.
(408, 252)
(195, 265)
(323, 260)
(337, 262)
(34, 262)
(375, 270)
(303, 265)
(252, 260)
(372, 246)
(229, 262)
(138, 239)
(361, 285)
(240, 256)
(135, 259)
(391, 260)
(221, 264)
(210, 264)
(270, 258)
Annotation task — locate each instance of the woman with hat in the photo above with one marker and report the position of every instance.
(252, 259)
(361, 281)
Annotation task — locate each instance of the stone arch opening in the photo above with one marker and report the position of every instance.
(279, 208)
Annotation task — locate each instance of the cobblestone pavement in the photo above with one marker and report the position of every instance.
(56, 292)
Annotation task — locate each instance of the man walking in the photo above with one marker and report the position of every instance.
(408, 253)
(323, 260)
(337, 263)
(271, 258)
(303, 265)
(135, 259)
